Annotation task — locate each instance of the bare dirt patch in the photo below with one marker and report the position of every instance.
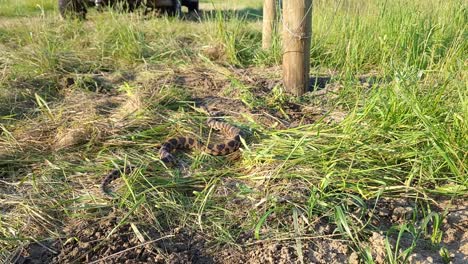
(237, 92)
(107, 240)
(453, 243)
(99, 242)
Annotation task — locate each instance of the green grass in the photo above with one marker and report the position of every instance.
(25, 8)
(404, 136)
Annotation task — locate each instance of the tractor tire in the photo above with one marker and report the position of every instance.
(192, 6)
(72, 8)
(126, 5)
(175, 9)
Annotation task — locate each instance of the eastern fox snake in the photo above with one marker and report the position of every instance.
(230, 145)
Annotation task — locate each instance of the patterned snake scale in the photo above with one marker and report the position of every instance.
(230, 145)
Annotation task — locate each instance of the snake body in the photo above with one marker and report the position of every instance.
(230, 145)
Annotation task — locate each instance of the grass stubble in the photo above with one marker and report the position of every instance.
(404, 136)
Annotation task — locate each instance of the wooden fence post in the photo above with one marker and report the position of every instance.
(269, 18)
(297, 33)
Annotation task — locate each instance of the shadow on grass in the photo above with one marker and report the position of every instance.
(246, 14)
(321, 82)
(20, 98)
(249, 14)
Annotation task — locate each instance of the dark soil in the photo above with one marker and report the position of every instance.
(109, 241)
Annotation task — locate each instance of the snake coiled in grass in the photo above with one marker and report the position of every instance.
(230, 145)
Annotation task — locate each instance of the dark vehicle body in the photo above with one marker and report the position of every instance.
(78, 8)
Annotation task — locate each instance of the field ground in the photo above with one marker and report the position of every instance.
(370, 167)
